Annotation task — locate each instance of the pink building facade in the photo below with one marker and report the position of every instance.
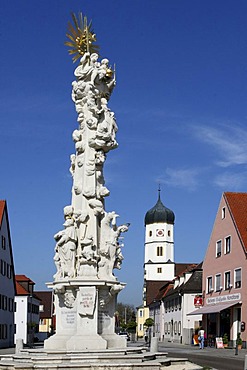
(225, 271)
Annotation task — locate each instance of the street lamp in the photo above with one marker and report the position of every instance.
(154, 301)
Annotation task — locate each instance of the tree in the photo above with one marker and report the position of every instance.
(149, 322)
(131, 326)
(125, 314)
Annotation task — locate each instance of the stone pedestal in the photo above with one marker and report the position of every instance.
(106, 317)
(85, 315)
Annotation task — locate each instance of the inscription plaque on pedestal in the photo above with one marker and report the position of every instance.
(68, 319)
(87, 296)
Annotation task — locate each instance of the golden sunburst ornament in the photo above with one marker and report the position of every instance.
(81, 37)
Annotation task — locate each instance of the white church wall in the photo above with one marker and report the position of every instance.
(159, 232)
(160, 271)
(159, 252)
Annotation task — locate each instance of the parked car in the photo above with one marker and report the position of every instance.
(124, 334)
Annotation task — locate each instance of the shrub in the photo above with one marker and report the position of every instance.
(225, 339)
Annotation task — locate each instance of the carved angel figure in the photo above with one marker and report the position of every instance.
(110, 251)
(65, 250)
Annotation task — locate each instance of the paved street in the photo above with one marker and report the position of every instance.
(7, 351)
(212, 358)
(218, 359)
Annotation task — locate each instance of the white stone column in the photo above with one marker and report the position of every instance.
(87, 250)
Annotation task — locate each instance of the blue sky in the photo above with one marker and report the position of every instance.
(180, 104)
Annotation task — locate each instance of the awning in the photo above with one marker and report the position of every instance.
(213, 308)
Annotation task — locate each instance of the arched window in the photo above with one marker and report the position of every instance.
(179, 327)
(175, 327)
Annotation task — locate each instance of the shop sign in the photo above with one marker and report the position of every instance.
(219, 342)
(224, 298)
(198, 301)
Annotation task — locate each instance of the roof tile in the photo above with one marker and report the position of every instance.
(20, 290)
(2, 206)
(23, 278)
(237, 203)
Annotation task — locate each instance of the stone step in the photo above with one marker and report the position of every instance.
(93, 360)
(80, 366)
(152, 365)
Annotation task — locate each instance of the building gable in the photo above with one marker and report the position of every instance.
(7, 280)
(26, 283)
(20, 290)
(6, 253)
(230, 221)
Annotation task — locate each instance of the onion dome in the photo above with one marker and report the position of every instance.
(159, 214)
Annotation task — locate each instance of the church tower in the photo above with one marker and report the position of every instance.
(159, 243)
(159, 266)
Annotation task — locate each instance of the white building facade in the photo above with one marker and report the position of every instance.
(27, 310)
(178, 302)
(7, 283)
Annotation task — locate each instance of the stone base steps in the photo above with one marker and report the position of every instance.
(122, 359)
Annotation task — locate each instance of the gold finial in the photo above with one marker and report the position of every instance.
(81, 36)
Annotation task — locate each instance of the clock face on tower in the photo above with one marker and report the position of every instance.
(160, 232)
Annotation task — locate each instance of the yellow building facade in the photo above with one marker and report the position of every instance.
(142, 315)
